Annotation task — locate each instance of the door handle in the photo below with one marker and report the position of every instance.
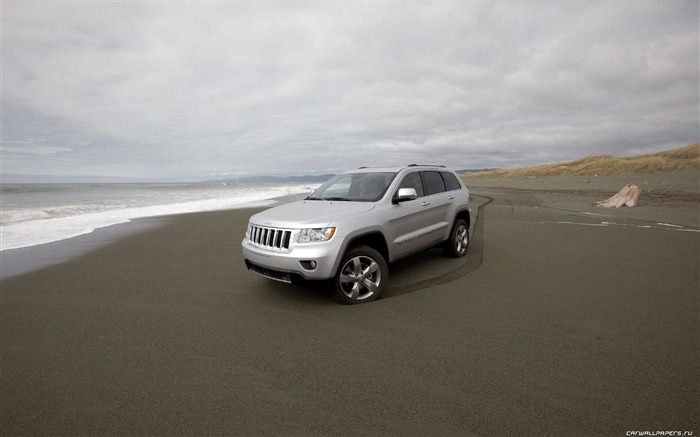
(450, 197)
(425, 203)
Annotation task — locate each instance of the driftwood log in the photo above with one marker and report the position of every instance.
(627, 196)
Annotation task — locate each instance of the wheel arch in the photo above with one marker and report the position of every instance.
(374, 239)
(464, 215)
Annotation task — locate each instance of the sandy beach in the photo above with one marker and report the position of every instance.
(563, 319)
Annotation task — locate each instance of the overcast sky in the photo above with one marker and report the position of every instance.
(182, 90)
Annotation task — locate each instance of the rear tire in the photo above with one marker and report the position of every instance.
(362, 276)
(456, 246)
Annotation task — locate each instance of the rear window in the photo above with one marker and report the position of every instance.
(451, 181)
(433, 182)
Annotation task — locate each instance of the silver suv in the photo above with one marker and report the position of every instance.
(352, 226)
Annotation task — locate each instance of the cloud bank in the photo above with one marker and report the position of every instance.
(192, 90)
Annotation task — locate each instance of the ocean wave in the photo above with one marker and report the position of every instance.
(36, 224)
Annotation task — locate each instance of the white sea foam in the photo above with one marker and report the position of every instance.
(44, 214)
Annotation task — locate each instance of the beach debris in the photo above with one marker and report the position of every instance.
(627, 196)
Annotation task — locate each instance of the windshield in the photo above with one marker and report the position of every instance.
(356, 187)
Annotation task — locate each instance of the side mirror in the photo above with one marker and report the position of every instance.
(405, 194)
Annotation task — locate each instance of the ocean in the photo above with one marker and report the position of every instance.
(33, 214)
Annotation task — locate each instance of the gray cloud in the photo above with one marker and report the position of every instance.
(187, 90)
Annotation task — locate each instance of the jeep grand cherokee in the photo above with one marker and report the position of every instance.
(351, 227)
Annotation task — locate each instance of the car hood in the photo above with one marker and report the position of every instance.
(309, 213)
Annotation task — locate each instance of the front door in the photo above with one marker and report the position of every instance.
(417, 223)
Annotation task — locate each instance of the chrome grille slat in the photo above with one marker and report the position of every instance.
(270, 238)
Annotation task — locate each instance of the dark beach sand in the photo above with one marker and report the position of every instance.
(555, 324)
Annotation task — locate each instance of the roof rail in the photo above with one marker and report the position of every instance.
(426, 165)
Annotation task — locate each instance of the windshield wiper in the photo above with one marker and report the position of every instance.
(329, 199)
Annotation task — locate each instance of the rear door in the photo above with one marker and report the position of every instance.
(438, 200)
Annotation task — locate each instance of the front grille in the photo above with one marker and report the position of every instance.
(269, 237)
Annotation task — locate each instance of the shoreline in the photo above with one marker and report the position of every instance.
(27, 259)
(14, 262)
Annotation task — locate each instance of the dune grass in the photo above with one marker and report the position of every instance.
(671, 160)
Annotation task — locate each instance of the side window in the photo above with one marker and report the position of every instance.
(451, 181)
(412, 180)
(433, 182)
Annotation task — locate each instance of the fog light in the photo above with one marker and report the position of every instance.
(308, 265)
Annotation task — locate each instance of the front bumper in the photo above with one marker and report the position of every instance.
(308, 260)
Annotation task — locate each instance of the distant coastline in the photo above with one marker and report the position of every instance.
(272, 179)
(683, 158)
(12, 179)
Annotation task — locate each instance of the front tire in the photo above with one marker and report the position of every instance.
(362, 276)
(458, 242)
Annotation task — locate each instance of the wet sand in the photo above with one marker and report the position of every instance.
(564, 319)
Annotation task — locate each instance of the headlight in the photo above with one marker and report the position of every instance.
(315, 235)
